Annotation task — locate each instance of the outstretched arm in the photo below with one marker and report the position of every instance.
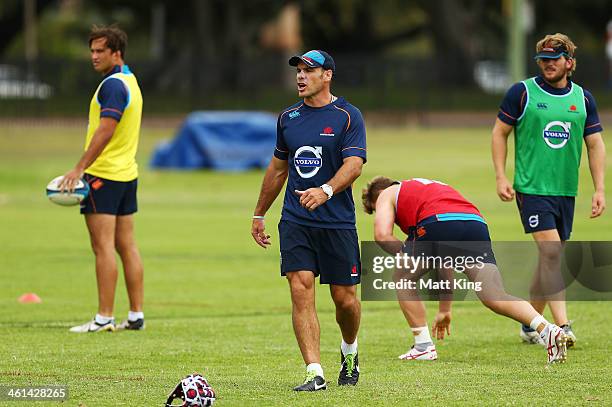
(442, 320)
(596, 150)
(273, 182)
(385, 220)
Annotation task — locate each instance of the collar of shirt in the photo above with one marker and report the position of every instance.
(339, 101)
(555, 91)
(116, 69)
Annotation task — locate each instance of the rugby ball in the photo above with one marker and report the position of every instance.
(81, 190)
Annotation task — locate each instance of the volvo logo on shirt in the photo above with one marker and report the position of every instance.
(308, 161)
(557, 133)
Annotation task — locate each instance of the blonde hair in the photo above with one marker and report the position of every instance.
(556, 40)
(370, 193)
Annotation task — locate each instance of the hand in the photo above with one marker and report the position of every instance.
(505, 190)
(258, 231)
(441, 325)
(598, 204)
(312, 198)
(71, 178)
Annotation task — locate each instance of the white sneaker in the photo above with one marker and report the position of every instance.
(571, 337)
(530, 336)
(555, 341)
(93, 326)
(427, 354)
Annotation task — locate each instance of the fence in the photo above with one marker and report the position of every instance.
(54, 87)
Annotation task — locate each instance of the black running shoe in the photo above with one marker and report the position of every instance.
(137, 325)
(349, 372)
(312, 383)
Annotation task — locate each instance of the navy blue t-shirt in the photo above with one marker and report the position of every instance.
(514, 103)
(113, 96)
(315, 141)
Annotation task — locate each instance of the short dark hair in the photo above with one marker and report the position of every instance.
(370, 193)
(116, 38)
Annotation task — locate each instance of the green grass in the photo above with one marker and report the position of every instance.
(216, 304)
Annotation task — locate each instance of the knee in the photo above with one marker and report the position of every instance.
(102, 248)
(550, 252)
(300, 285)
(344, 300)
(400, 275)
(124, 247)
(550, 257)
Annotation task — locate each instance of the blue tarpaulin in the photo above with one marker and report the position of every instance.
(229, 141)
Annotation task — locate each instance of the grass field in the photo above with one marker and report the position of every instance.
(216, 304)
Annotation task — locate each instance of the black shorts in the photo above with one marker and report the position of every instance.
(539, 212)
(332, 254)
(110, 197)
(452, 238)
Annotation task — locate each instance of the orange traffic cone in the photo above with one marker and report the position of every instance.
(29, 298)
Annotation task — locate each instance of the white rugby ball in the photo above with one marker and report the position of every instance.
(81, 190)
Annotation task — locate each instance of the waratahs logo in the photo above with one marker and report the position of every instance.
(308, 161)
(556, 134)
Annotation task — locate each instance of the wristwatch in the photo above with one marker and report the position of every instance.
(328, 190)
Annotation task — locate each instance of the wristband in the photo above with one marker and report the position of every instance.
(259, 217)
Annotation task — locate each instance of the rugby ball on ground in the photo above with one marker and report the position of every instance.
(81, 190)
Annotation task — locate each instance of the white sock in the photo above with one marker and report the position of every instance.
(348, 347)
(315, 367)
(133, 315)
(102, 320)
(535, 322)
(422, 336)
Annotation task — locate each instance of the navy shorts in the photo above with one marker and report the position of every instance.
(539, 212)
(452, 238)
(332, 254)
(110, 197)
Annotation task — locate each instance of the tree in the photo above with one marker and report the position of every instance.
(12, 12)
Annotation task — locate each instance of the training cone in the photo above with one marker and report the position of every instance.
(29, 298)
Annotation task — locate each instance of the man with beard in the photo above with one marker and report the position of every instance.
(550, 115)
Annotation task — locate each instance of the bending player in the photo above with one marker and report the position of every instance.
(430, 211)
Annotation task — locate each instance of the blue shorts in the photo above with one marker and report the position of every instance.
(539, 212)
(464, 237)
(110, 197)
(332, 254)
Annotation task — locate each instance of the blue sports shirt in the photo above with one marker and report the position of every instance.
(315, 141)
(514, 103)
(113, 96)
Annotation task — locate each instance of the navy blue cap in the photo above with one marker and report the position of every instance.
(314, 59)
(553, 53)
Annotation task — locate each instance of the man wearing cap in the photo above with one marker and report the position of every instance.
(550, 115)
(320, 150)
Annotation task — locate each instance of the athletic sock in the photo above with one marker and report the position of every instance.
(537, 321)
(316, 368)
(348, 348)
(102, 320)
(134, 316)
(422, 340)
